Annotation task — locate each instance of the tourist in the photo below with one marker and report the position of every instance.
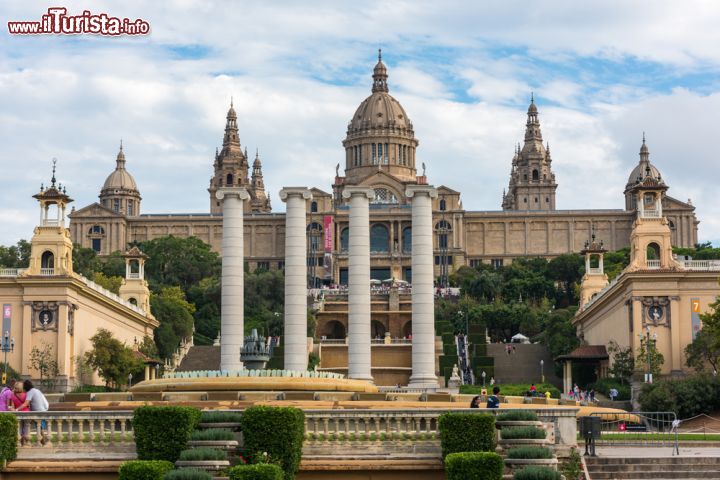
(547, 395)
(493, 401)
(533, 390)
(475, 402)
(576, 392)
(37, 402)
(18, 398)
(613, 394)
(591, 395)
(6, 398)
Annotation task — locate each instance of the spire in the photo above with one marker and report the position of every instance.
(532, 127)
(380, 75)
(120, 158)
(54, 162)
(231, 129)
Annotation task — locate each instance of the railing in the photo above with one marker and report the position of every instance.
(11, 272)
(647, 429)
(133, 276)
(47, 272)
(653, 263)
(374, 341)
(595, 270)
(74, 428)
(650, 214)
(111, 295)
(712, 265)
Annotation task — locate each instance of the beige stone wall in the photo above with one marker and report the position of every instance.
(391, 364)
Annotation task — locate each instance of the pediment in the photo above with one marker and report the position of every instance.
(94, 210)
(670, 203)
(316, 192)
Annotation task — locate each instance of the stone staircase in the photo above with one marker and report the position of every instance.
(200, 358)
(617, 468)
(522, 366)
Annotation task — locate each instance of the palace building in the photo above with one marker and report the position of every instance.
(381, 152)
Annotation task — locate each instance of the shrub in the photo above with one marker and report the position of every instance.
(466, 432)
(8, 436)
(256, 472)
(212, 434)
(529, 452)
(203, 453)
(279, 431)
(187, 474)
(516, 433)
(572, 467)
(686, 397)
(144, 469)
(537, 473)
(215, 416)
(516, 416)
(473, 466)
(161, 433)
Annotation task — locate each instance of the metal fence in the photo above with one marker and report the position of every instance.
(638, 429)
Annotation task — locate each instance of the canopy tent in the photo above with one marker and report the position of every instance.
(520, 338)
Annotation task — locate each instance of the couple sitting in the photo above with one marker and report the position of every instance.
(23, 397)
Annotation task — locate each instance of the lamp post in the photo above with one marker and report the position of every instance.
(483, 374)
(129, 380)
(157, 370)
(542, 371)
(648, 356)
(8, 345)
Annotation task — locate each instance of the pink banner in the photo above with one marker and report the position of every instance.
(328, 228)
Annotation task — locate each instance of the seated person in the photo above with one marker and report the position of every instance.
(493, 401)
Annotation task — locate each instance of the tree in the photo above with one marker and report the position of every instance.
(43, 360)
(178, 261)
(110, 283)
(704, 350)
(113, 360)
(567, 270)
(15, 256)
(649, 357)
(559, 334)
(175, 315)
(85, 261)
(623, 364)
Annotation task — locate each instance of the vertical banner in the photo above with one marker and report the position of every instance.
(7, 315)
(329, 230)
(695, 316)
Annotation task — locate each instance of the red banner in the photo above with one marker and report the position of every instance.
(328, 229)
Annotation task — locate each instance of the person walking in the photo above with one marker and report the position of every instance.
(37, 402)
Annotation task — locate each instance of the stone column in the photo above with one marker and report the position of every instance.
(423, 298)
(296, 354)
(233, 271)
(359, 283)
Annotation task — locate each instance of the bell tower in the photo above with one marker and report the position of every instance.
(51, 247)
(134, 288)
(595, 278)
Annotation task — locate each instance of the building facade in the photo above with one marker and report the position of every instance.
(380, 153)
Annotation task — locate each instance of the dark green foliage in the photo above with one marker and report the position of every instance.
(8, 436)
(701, 251)
(262, 471)
(279, 431)
(213, 434)
(466, 432)
(686, 397)
(15, 256)
(572, 468)
(144, 470)
(516, 416)
(161, 433)
(188, 474)
(515, 433)
(203, 453)
(218, 416)
(178, 261)
(623, 362)
(603, 385)
(474, 466)
(175, 315)
(537, 473)
(559, 334)
(529, 452)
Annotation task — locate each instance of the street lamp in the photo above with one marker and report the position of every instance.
(483, 374)
(8, 345)
(542, 371)
(648, 338)
(129, 380)
(157, 370)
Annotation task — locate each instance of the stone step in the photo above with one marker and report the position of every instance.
(675, 474)
(651, 467)
(654, 461)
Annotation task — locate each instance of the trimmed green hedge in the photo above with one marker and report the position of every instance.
(8, 436)
(529, 452)
(537, 473)
(516, 433)
(516, 416)
(203, 453)
(212, 434)
(144, 469)
(188, 474)
(161, 433)
(261, 471)
(466, 432)
(279, 431)
(218, 416)
(474, 466)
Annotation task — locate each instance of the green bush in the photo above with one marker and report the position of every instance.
(144, 470)
(686, 397)
(8, 436)
(537, 473)
(188, 474)
(261, 471)
(516, 416)
(474, 466)
(203, 453)
(516, 433)
(161, 433)
(513, 389)
(214, 416)
(213, 434)
(279, 431)
(466, 432)
(572, 468)
(603, 385)
(529, 452)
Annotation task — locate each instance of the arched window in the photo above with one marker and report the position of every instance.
(407, 240)
(374, 154)
(525, 176)
(379, 238)
(442, 204)
(132, 300)
(334, 329)
(383, 195)
(653, 251)
(47, 260)
(443, 225)
(535, 175)
(377, 330)
(344, 239)
(671, 224)
(96, 230)
(229, 179)
(313, 207)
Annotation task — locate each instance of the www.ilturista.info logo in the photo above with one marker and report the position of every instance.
(58, 22)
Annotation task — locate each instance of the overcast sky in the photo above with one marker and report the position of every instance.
(602, 72)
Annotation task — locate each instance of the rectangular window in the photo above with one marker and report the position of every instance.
(374, 154)
(263, 266)
(496, 262)
(96, 244)
(475, 262)
(131, 207)
(343, 276)
(116, 205)
(387, 158)
(281, 265)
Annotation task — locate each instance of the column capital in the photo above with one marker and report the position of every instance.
(357, 190)
(302, 192)
(239, 192)
(413, 190)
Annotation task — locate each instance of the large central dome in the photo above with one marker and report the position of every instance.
(380, 135)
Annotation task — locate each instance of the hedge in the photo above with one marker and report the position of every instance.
(8, 436)
(537, 473)
(203, 453)
(516, 416)
(213, 434)
(686, 397)
(466, 432)
(161, 433)
(279, 431)
(144, 469)
(516, 433)
(260, 471)
(527, 452)
(474, 466)
(188, 474)
(219, 416)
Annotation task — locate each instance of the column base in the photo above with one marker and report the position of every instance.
(424, 381)
(367, 378)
